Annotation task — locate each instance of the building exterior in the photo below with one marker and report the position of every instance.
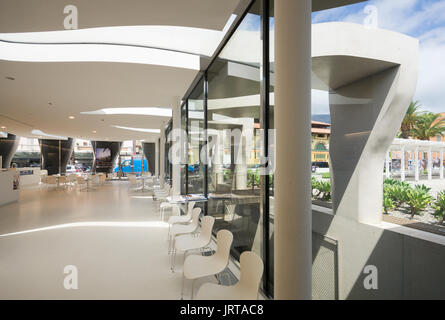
(321, 132)
(257, 77)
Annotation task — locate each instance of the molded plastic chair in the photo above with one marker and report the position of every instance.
(51, 180)
(176, 210)
(188, 242)
(80, 181)
(202, 266)
(180, 229)
(63, 180)
(251, 271)
(133, 183)
(162, 194)
(181, 219)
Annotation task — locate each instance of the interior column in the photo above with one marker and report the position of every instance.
(293, 216)
(176, 138)
(162, 155)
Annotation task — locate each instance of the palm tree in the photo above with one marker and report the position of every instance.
(428, 125)
(410, 119)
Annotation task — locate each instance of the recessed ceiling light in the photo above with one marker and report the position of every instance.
(10, 78)
(72, 117)
(3, 127)
(94, 131)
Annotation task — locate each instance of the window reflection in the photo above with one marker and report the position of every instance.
(196, 140)
(233, 136)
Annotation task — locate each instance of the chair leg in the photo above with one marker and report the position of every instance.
(172, 268)
(193, 284)
(182, 287)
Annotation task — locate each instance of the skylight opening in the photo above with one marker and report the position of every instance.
(97, 53)
(144, 111)
(139, 129)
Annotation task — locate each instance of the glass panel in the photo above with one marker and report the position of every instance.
(184, 166)
(168, 165)
(271, 146)
(196, 140)
(233, 130)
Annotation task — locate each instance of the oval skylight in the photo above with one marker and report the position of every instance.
(96, 53)
(146, 111)
(139, 129)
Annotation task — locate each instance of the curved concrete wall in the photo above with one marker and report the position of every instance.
(55, 156)
(150, 154)
(371, 75)
(8, 146)
(115, 148)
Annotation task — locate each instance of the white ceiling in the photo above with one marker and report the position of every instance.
(74, 87)
(44, 94)
(47, 15)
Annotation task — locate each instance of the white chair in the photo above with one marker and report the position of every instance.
(198, 266)
(133, 183)
(181, 219)
(80, 182)
(175, 209)
(188, 242)
(162, 194)
(51, 180)
(102, 179)
(44, 181)
(63, 181)
(180, 229)
(251, 271)
(72, 179)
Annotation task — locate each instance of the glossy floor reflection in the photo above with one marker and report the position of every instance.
(114, 238)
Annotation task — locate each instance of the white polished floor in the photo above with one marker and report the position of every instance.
(114, 238)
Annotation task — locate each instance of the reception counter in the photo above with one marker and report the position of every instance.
(7, 191)
(29, 176)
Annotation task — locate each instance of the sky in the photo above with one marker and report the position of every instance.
(421, 19)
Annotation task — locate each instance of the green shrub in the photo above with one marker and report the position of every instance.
(325, 190)
(315, 188)
(388, 204)
(418, 200)
(422, 187)
(326, 175)
(321, 189)
(397, 193)
(439, 207)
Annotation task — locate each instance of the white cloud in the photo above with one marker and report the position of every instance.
(320, 102)
(423, 19)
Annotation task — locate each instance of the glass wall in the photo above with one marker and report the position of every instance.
(27, 153)
(225, 117)
(168, 143)
(233, 123)
(196, 140)
(184, 172)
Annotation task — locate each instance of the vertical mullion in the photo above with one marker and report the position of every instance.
(206, 190)
(187, 146)
(264, 119)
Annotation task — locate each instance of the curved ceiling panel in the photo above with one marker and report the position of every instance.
(47, 15)
(182, 39)
(96, 53)
(44, 95)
